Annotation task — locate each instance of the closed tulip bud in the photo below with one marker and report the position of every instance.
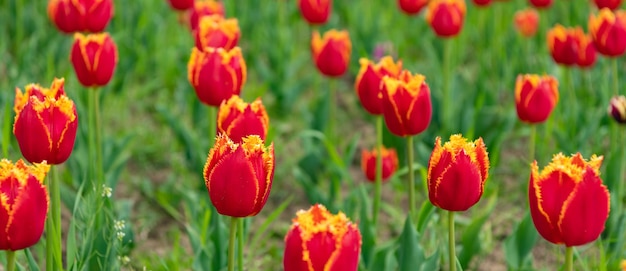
(204, 8)
(181, 5)
(457, 172)
(541, 4)
(412, 7)
(71, 16)
(331, 52)
(94, 58)
(526, 22)
(45, 123)
(407, 108)
(215, 31)
(610, 4)
(568, 202)
(239, 176)
(319, 241)
(23, 204)
(617, 109)
(446, 17)
(608, 31)
(315, 11)
(238, 119)
(535, 97)
(216, 74)
(368, 163)
(564, 45)
(368, 83)
(586, 51)
(482, 3)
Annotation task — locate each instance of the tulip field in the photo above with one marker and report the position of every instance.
(313, 135)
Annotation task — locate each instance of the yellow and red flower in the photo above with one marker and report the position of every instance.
(568, 202)
(446, 17)
(45, 123)
(215, 31)
(331, 52)
(526, 22)
(216, 73)
(239, 176)
(535, 97)
(204, 8)
(563, 44)
(319, 241)
(315, 11)
(71, 16)
(238, 119)
(457, 172)
(617, 109)
(407, 107)
(181, 5)
(608, 31)
(610, 4)
(586, 51)
(24, 204)
(94, 58)
(412, 7)
(368, 83)
(541, 3)
(368, 163)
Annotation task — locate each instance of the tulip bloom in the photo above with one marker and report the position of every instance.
(71, 16)
(24, 204)
(45, 123)
(332, 52)
(239, 176)
(407, 107)
(535, 97)
(564, 44)
(541, 3)
(368, 163)
(94, 58)
(204, 8)
(412, 7)
(446, 17)
(568, 202)
(526, 22)
(216, 73)
(610, 4)
(319, 240)
(617, 109)
(608, 31)
(481, 3)
(238, 119)
(315, 11)
(181, 5)
(586, 51)
(215, 31)
(457, 172)
(368, 82)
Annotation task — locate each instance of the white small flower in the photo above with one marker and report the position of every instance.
(119, 225)
(106, 191)
(123, 259)
(120, 235)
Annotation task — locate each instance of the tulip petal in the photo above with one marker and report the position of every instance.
(4, 221)
(32, 135)
(540, 219)
(293, 258)
(324, 245)
(458, 188)
(25, 226)
(346, 257)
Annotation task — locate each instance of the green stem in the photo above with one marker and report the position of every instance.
(379, 170)
(615, 77)
(212, 122)
(446, 105)
(569, 259)
(231, 243)
(533, 142)
(10, 260)
(409, 143)
(98, 137)
(54, 260)
(330, 128)
(240, 243)
(451, 248)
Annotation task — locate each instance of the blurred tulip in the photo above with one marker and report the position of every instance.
(239, 176)
(457, 172)
(45, 123)
(216, 73)
(526, 22)
(586, 51)
(610, 4)
(608, 31)
(617, 109)
(368, 163)
(181, 5)
(238, 119)
(623, 265)
(446, 17)
(406, 104)
(541, 3)
(94, 58)
(315, 11)
(535, 97)
(215, 31)
(563, 44)
(24, 204)
(331, 52)
(319, 240)
(204, 8)
(71, 16)
(368, 83)
(412, 7)
(481, 3)
(568, 202)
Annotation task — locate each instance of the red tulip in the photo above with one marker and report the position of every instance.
(564, 45)
(610, 4)
(238, 119)
(568, 202)
(216, 73)
(535, 97)
(368, 163)
(617, 109)
(526, 22)
(45, 123)
(446, 17)
(482, 3)
(321, 241)
(541, 3)
(181, 5)
(457, 172)
(239, 176)
(23, 205)
(71, 16)
(608, 31)
(332, 52)
(412, 7)
(204, 8)
(315, 11)
(586, 51)
(94, 58)
(406, 104)
(368, 83)
(215, 31)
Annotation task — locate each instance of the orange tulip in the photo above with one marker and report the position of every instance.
(610, 4)
(368, 83)
(216, 73)
(71, 16)
(94, 58)
(315, 11)
(617, 109)
(368, 163)
(412, 7)
(204, 8)
(446, 17)
(526, 22)
(181, 4)
(215, 31)
(535, 97)
(331, 52)
(568, 202)
(407, 107)
(608, 31)
(238, 119)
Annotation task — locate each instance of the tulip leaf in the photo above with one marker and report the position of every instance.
(519, 244)
(260, 231)
(32, 264)
(367, 228)
(409, 253)
(187, 137)
(425, 214)
(383, 258)
(471, 235)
